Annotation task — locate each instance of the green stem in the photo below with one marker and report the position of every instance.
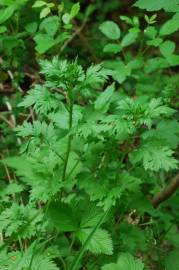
(69, 141)
(81, 252)
(38, 236)
(72, 170)
(55, 151)
(63, 263)
(141, 45)
(72, 242)
(20, 244)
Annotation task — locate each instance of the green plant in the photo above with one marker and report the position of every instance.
(25, 32)
(89, 188)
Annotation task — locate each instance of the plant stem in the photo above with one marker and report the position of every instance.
(69, 140)
(20, 244)
(81, 252)
(167, 192)
(72, 242)
(38, 236)
(63, 263)
(72, 170)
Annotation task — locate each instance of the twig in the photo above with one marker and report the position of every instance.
(13, 81)
(8, 174)
(166, 193)
(13, 119)
(1, 237)
(32, 114)
(12, 115)
(6, 121)
(77, 31)
(88, 47)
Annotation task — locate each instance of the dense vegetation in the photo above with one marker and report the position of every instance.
(89, 135)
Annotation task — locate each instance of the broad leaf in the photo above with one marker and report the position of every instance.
(62, 217)
(99, 243)
(102, 103)
(172, 260)
(112, 48)
(129, 39)
(50, 25)
(6, 13)
(110, 30)
(167, 48)
(153, 5)
(154, 157)
(74, 10)
(170, 26)
(43, 42)
(125, 262)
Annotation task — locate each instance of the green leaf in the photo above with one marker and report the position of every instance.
(167, 48)
(31, 27)
(112, 48)
(91, 217)
(95, 75)
(99, 243)
(110, 30)
(66, 18)
(172, 236)
(62, 217)
(156, 63)
(50, 25)
(154, 42)
(154, 157)
(131, 237)
(150, 32)
(41, 99)
(173, 60)
(150, 20)
(102, 103)
(136, 63)
(3, 29)
(39, 4)
(156, 108)
(125, 262)
(20, 164)
(169, 135)
(41, 263)
(129, 39)
(118, 70)
(23, 262)
(172, 260)
(128, 262)
(20, 219)
(43, 43)
(110, 266)
(45, 11)
(75, 10)
(126, 19)
(6, 13)
(170, 26)
(153, 5)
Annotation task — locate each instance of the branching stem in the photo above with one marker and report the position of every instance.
(166, 193)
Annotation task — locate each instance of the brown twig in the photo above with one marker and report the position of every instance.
(77, 31)
(7, 121)
(166, 193)
(13, 81)
(86, 44)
